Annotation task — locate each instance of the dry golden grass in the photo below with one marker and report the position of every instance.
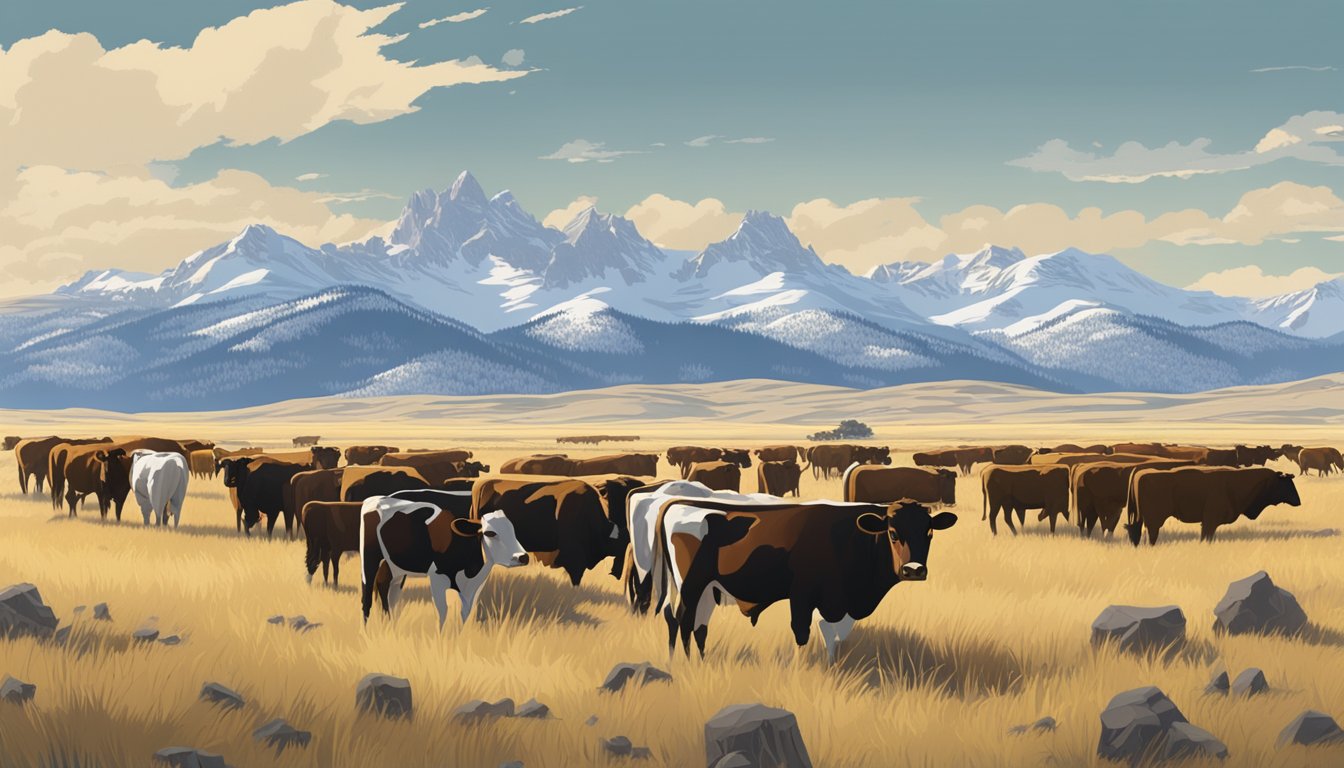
(997, 636)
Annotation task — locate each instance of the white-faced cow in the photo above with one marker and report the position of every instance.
(159, 482)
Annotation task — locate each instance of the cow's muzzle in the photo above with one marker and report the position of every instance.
(521, 559)
(914, 572)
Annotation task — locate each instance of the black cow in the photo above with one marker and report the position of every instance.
(562, 522)
(261, 490)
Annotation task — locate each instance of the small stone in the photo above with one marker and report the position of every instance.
(641, 753)
(78, 609)
(1184, 740)
(591, 721)
(1218, 684)
(533, 709)
(1250, 682)
(298, 622)
(618, 745)
(1044, 725)
(476, 709)
(281, 735)
(15, 691)
(22, 612)
(170, 640)
(224, 697)
(101, 613)
(185, 757)
(642, 673)
(277, 619)
(385, 695)
(145, 635)
(1255, 604)
(1311, 727)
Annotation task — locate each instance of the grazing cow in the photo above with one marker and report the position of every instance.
(833, 562)
(1011, 454)
(303, 441)
(202, 463)
(159, 481)
(360, 483)
(683, 456)
(537, 464)
(1221, 457)
(1255, 455)
(563, 523)
(412, 538)
(717, 475)
(1290, 452)
(639, 464)
(58, 458)
(1099, 490)
(262, 486)
(1194, 453)
(778, 477)
(961, 458)
(100, 471)
(434, 466)
(1209, 496)
(1017, 489)
(884, 485)
(313, 485)
(1323, 460)
(33, 457)
(834, 458)
(365, 455)
(330, 529)
(780, 453)
(11, 441)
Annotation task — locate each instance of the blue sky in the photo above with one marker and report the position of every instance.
(940, 106)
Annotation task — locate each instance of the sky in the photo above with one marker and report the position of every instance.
(1201, 142)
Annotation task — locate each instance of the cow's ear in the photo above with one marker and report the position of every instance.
(871, 523)
(464, 527)
(942, 521)
(100, 455)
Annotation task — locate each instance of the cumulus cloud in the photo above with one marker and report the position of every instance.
(456, 18)
(310, 176)
(750, 140)
(1307, 137)
(513, 57)
(680, 225)
(1292, 67)
(550, 15)
(582, 151)
(562, 216)
(1252, 281)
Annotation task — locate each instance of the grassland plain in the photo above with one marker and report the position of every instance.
(997, 636)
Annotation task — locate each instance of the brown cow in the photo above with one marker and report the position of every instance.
(1290, 452)
(365, 455)
(717, 475)
(683, 456)
(537, 464)
(196, 445)
(885, 485)
(359, 483)
(434, 466)
(317, 457)
(313, 485)
(961, 458)
(1099, 491)
(1255, 455)
(562, 522)
(1072, 459)
(639, 464)
(1017, 489)
(57, 459)
(780, 453)
(1209, 496)
(33, 457)
(10, 442)
(1221, 457)
(1193, 453)
(1011, 454)
(202, 463)
(100, 471)
(1323, 460)
(331, 528)
(303, 441)
(834, 458)
(778, 477)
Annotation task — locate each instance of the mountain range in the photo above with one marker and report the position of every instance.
(470, 294)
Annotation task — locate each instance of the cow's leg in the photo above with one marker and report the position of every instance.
(1054, 517)
(70, 497)
(1207, 530)
(439, 584)
(833, 634)
(394, 592)
(289, 523)
(1152, 533)
(994, 519)
(1008, 518)
(368, 577)
(672, 623)
(800, 620)
(335, 559)
(698, 624)
(270, 523)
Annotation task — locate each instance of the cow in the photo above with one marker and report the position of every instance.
(1221, 457)
(778, 477)
(1011, 454)
(1074, 459)
(614, 492)
(11, 441)
(961, 458)
(1255, 455)
(33, 457)
(57, 459)
(683, 456)
(196, 445)
(780, 453)
(884, 485)
(537, 464)
(834, 562)
(1017, 489)
(313, 485)
(1099, 490)
(434, 466)
(1065, 448)
(262, 486)
(303, 441)
(739, 456)
(330, 529)
(202, 463)
(563, 523)
(159, 481)
(400, 538)
(101, 471)
(1194, 453)
(717, 475)
(834, 458)
(1209, 496)
(1290, 451)
(360, 483)
(640, 464)
(365, 455)
(1323, 460)
(935, 458)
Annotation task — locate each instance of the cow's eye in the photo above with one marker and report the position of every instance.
(489, 534)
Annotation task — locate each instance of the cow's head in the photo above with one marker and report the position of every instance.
(1280, 490)
(114, 472)
(472, 469)
(909, 529)
(947, 486)
(325, 457)
(235, 470)
(881, 455)
(499, 542)
(738, 456)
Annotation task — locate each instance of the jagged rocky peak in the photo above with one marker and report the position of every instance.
(597, 244)
(763, 242)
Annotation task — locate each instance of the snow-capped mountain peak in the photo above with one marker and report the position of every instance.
(762, 245)
(1316, 311)
(596, 245)
(467, 191)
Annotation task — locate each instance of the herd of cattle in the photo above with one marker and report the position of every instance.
(680, 546)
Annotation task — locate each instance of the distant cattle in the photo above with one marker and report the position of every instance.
(330, 529)
(365, 455)
(717, 475)
(961, 458)
(563, 523)
(303, 441)
(33, 456)
(1195, 453)
(833, 562)
(434, 466)
(683, 456)
(1073, 459)
(1017, 489)
(262, 488)
(159, 482)
(833, 458)
(1290, 452)
(313, 485)
(537, 464)
(360, 483)
(1208, 496)
(10, 442)
(1255, 455)
(202, 463)
(1099, 491)
(884, 485)
(317, 457)
(778, 477)
(1323, 460)
(196, 445)
(638, 464)
(780, 453)
(402, 538)
(1011, 454)
(1221, 457)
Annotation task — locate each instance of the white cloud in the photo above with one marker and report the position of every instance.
(701, 142)
(513, 57)
(750, 140)
(550, 15)
(582, 150)
(562, 216)
(473, 61)
(1252, 281)
(683, 226)
(456, 18)
(1304, 137)
(310, 176)
(1294, 67)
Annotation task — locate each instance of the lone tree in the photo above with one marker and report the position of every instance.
(849, 429)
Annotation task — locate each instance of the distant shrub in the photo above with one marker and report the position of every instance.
(849, 429)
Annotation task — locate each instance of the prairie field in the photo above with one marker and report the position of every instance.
(998, 635)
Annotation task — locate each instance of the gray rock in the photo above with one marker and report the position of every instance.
(385, 695)
(591, 721)
(1255, 604)
(1044, 725)
(764, 735)
(298, 622)
(734, 760)
(1139, 629)
(1250, 682)
(22, 612)
(145, 635)
(476, 709)
(619, 746)
(62, 635)
(512, 764)
(1311, 727)
(101, 613)
(224, 697)
(627, 672)
(170, 640)
(78, 609)
(1184, 740)
(281, 735)
(15, 691)
(186, 757)
(276, 619)
(1219, 683)
(641, 753)
(1135, 722)
(533, 709)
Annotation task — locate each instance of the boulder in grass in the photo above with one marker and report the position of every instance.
(1184, 741)
(765, 735)
(15, 691)
(281, 735)
(734, 760)
(276, 619)
(101, 613)
(145, 635)
(22, 612)
(477, 709)
(533, 709)
(1311, 727)
(1135, 723)
(385, 695)
(222, 696)
(1256, 605)
(626, 673)
(619, 746)
(1219, 683)
(1250, 682)
(186, 757)
(1140, 629)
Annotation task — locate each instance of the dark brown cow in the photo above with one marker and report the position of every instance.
(365, 455)
(1194, 453)
(717, 475)
(832, 459)
(1323, 460)
(314, 485)
(1099, 491)
(537, 464)
(1221, 457)
(1255, 455)
(1017, 489)
(1012, 454)
(1209, 496)
(196, 445)
(359, 483)
(10, 442)
(303, 441)
(885, 485)
(780, 453)
(833, 562)
(434, 466)
(1290, 452)
(961, 458)
(778, 478)
(563, 523)
(330, 529)
(639, 464)
(683, 456)
(33, 457)
(100, 471)
(1072, 459)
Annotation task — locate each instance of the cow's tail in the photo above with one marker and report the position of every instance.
(984, 496)
(23, 478)
(55, 481)
(846, 478)
(662, 564)
(312, 554)
(629, 579)
(1133, 526)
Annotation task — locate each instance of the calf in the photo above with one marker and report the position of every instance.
(159, 481)
(717, 475)
(778, 478)
(330, 529)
